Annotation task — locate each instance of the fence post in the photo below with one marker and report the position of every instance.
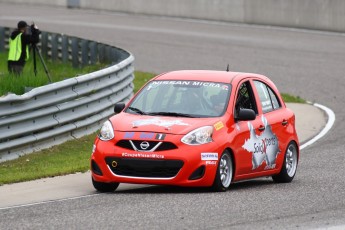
(107, 54)
(114, 56)
(44, 44)
(101, 52)
(84, 52)
(93, 53)
(54, 47)
(2, 39)
(64, 48)
(75, 52)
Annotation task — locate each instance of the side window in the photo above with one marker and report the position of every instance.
(268, 98)
(275, 102)
(245, 98)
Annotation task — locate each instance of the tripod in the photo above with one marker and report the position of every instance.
(35, 50)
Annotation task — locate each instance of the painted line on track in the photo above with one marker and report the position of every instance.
(325, 130)
(48, 201)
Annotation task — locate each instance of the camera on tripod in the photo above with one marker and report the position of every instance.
(33, 30)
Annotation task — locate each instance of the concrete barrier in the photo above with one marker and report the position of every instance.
(309, 14)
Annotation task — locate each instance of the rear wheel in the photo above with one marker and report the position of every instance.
(288, 171)
(104, 187)
(224, 173)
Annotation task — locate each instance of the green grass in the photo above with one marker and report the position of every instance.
(70, 157)
(292, 99)
(58, 71)
(140, 79)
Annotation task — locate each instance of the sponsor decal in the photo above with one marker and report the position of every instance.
(189, 83)
(144, 135)
(147, 135)
(264, 148)
(158, 122)
(160, 136)
(211, 163)
(209, 156)
(219, 125)
(143, 155)
(129, 135)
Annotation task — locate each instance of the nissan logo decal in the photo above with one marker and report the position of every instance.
(144, 145)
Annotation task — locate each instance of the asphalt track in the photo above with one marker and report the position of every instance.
(309, 64)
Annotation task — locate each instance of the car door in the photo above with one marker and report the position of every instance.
(247, 148)
(274, 122)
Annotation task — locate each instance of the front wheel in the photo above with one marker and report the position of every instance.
(224, 173)
(104, 187)
(288, 171)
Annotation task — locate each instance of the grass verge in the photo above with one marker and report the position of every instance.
(292, 99)
(70, 157)
(58, 71)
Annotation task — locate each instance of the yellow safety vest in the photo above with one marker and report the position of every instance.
(16, 49)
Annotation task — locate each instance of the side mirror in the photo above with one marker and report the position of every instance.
(119, 107)
(246, 115)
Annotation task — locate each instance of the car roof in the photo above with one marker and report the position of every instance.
(206, 75)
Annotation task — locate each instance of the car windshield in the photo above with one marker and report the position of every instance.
(182, 99)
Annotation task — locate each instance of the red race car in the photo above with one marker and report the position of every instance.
(197, 128)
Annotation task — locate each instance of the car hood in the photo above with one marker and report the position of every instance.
(125, 122)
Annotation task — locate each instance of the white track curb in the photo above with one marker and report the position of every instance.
(324, 131)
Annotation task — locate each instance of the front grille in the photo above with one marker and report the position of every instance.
(153, 145)
(144, 167)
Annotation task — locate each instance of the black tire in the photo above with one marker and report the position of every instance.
(104, 187)
(289, 168)
(224, 173)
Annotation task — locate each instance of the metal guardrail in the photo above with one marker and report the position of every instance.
(55, 113)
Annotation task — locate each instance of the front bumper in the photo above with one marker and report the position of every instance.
(184, 165)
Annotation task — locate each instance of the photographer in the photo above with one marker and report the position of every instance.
(19, 43)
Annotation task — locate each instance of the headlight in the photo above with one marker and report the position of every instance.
(107, 132)
(199, 136)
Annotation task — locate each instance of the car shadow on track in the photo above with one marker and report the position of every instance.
(249, 184)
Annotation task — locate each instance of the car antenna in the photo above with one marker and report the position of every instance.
(227, 68)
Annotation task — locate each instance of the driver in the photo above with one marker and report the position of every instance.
(218, 102)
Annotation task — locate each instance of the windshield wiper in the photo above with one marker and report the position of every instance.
(137, 110)
(171, 114)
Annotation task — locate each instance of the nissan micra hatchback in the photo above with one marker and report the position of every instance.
(197, 128)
